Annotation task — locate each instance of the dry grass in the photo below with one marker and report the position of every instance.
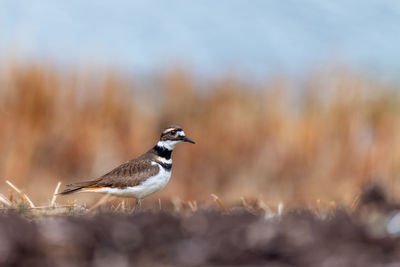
(107, 203)
(264, 142)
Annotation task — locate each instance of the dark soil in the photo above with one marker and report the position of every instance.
(205, 238)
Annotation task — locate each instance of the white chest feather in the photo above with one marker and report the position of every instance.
(154, 183)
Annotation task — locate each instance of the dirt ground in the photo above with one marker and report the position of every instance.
(204, 238)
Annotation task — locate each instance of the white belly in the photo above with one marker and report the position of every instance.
(150, 186)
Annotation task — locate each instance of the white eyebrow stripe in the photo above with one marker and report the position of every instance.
(169, 129)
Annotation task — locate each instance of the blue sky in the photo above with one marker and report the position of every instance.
(255, 37)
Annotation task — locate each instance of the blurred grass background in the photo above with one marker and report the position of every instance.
(334, 132)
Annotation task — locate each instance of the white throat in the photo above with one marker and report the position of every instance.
(167, 144)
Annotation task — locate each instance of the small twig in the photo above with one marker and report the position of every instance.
(24, 196)
(192, 205)
(268, 214)
(280, 209)
(102, 201)
(5, 201)
(244, 202)
(177, 204)
(261, 204)
(53, 200)
(10, 195)
(13, 187)
(117, 207)
(159, 203)
(219, 201)
(355, 203)
(50, 207)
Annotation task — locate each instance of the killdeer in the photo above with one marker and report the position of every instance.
(138, 177)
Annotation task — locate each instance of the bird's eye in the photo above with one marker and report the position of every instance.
(172, 132)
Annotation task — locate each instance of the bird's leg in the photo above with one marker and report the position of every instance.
(123, 205)
(138, 204)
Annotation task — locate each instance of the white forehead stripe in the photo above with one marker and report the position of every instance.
(181, 133)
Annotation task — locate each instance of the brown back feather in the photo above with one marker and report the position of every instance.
(130, 173)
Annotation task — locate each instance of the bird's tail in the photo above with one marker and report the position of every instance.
(70, 191)
(76, 187)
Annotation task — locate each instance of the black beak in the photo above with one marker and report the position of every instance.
(185, 139)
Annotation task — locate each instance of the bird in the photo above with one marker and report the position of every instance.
(138, 177)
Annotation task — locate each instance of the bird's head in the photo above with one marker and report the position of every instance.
(171, 136)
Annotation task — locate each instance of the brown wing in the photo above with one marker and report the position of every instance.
(130, 173)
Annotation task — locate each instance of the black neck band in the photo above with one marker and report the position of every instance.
(166, 166)
(162, 152)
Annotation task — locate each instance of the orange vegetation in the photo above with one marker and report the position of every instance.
(280, 140)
